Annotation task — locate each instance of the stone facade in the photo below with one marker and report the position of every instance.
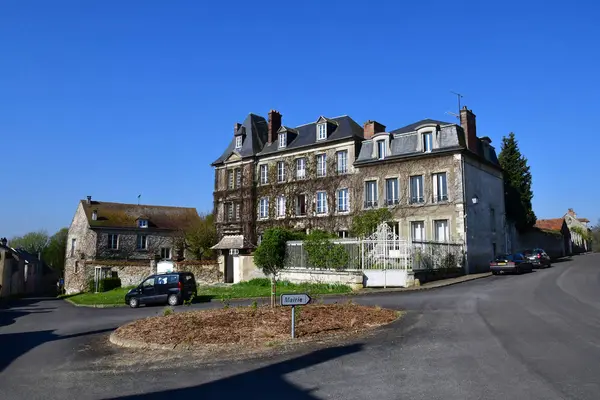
(112, 231)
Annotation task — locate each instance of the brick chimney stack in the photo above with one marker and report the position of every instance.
(571, 212)
(274, 125)
(370, 128)
(467, 121)
(236, 127)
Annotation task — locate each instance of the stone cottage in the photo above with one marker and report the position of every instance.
(123, 232)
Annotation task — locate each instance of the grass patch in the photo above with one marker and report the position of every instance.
(250, 289)
(112, 297)
(262, 288)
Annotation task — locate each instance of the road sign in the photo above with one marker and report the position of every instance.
(301, 299)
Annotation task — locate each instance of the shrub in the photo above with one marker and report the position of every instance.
(323, 253)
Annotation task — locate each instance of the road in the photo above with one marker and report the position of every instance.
(534, 336)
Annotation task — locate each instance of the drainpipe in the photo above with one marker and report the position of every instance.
(465, 204)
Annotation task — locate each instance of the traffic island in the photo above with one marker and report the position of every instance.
(250, 329)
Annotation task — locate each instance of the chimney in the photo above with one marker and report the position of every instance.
(236, 127)
(467, 121)
(371, 128)
(571, 212)
(89, 200)
(274, 125)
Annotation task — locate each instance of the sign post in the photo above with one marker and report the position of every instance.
(294, 300)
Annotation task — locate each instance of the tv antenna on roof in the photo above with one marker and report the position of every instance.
(139, 195)
(459, 96)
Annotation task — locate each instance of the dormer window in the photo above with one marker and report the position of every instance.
(427, 142)
(142, 223)
(238, 142)
(321, 131)
(95, 215)
(381, 149)
(282, 140)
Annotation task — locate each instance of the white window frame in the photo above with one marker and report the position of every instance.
(374, 191)
(343, 200)
(301, 168)
(238, 177)
(322, 131)
(419, 199)
(282, 140)
(343, 234)
(142, 223)
(164, 250)
(238, 142)
(280, 207)
(437, 196)
(322, 167)
(142, 242)
(342, 161)
(264, 174)
(230, 179)
(439, 224)
(381, 145)
(263, 208)
(427, 142)
(414, 225)
(280, 171)
(321, 202)
(113, 239)
(395, 199)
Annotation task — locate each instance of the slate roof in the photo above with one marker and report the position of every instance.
(125, 216)
(412, 127)
(552, 224)
(254, 130)
(340, 128)
(232, 242)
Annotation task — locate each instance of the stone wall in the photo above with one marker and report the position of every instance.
(85, 248)
(354, 279)
(205, 272)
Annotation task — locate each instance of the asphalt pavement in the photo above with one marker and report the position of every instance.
(533, 336)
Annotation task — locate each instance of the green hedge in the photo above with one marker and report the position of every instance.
(104, 285)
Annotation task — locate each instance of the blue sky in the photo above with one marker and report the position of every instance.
(119, 98)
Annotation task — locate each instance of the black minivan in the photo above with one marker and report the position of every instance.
(171, 288)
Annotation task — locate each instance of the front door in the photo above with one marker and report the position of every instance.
(228, 268)
(148, 291)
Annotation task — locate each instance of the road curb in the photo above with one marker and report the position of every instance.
(350, 294)
(137, 344)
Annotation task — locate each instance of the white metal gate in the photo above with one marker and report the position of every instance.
(385, 258)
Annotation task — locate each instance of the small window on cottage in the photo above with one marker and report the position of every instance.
(238, 142)
(113, 242)
(165, 253)
(94, 215)
(76, 266)
(143, 223)
(427, 142)
(282, 140)
(322, 131)
(142, 243)
(343, 234)
(381, 149)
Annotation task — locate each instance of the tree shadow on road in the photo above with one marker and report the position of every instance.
(267, 383)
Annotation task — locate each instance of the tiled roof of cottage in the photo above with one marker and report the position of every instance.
(552, 224)
(120, 215)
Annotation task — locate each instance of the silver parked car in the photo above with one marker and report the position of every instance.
(538, 258)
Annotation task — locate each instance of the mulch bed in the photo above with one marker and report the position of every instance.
(254, 326)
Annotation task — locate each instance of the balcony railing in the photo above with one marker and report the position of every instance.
(392, 202)
(417, 200)
(440, 198)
